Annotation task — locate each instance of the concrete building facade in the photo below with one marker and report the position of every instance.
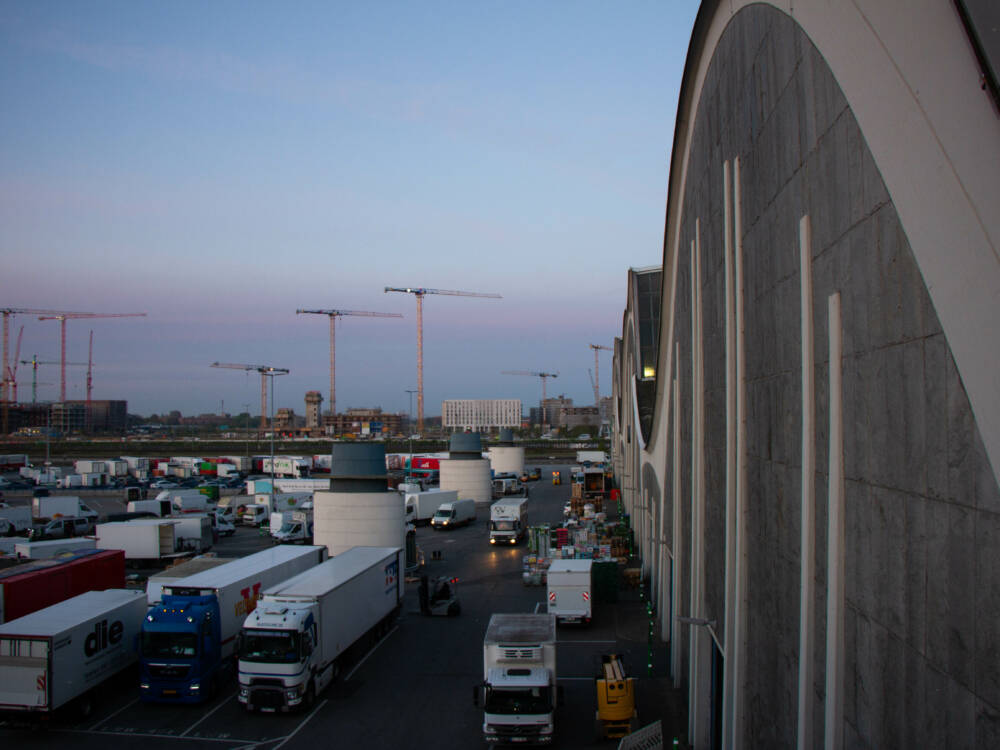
(480, 415)
(810, 461)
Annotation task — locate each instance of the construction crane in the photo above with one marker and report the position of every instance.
(35, 363)
(597, 377)
(265, 372)
(8, 313)
(62, 318)
(544, 376)
(10, 376)
(333, 315)
(419, 294)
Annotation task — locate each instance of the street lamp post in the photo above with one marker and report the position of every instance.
(272, 374)
(246, 433)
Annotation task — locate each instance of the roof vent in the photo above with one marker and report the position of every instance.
(506, 437)
(358, 467)
(466, 446)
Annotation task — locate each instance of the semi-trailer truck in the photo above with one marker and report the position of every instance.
(292, 644)
(519, 692)
(508, 521)
(61, 654)
(191, 633)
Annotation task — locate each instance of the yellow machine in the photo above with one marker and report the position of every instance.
(556, 477)
(616, 715)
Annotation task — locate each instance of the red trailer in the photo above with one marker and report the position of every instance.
(33, 586)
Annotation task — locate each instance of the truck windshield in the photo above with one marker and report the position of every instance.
(536, 700)
(269, 646)
(503, 524)
(444, 514)
(169, 645)
(288, 528)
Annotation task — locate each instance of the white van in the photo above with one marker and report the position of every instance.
(455, 513)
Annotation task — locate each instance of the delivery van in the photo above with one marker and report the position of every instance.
(455, 513)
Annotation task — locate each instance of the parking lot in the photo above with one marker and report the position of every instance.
(414, 689)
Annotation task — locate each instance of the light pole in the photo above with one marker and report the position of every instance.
(409, 470)
(272, 373)
(246, 434)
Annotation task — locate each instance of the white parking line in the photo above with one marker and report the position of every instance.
(109, 718)
(221, 704)
(161, 736)
(304, 722)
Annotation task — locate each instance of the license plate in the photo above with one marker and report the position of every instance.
(170, 692)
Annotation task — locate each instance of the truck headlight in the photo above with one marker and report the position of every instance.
(545, 729)
(244, 692)
(513, 540)
(492, 540)
(144, 686)
(195, 687)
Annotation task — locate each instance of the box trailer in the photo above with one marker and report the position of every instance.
(519, 692)
(330, 608)
(31, 586)
(141, 539)
(193, 532)
(47, 548)
(15, 519)
(161, 508)
(569, 590)
(62, 654)
(192, 632)
(421, 506)
(54, 506)
(175, 573)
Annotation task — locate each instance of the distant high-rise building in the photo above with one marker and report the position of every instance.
(313, 415)
(480, 414)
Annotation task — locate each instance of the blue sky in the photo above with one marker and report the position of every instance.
(219, 165)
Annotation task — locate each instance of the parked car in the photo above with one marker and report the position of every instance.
(67, 526)
(164, 484)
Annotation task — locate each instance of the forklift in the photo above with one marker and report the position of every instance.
(439, 597)
(616, 715)
(556, 477)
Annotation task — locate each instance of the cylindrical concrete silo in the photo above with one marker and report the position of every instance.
(359, 510)
(506, 458)
(465, 470)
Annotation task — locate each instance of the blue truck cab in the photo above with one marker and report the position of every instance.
(180, 650)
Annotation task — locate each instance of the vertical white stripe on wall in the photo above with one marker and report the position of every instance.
(693, 603)
(730, 565)
(834, 726)
(808, 488)
(739, 623)
(678, 541)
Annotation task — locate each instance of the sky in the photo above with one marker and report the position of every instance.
(220, 165)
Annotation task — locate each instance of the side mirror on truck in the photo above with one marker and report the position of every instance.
(477, 691)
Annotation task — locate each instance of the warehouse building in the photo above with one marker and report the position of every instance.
(807, 406)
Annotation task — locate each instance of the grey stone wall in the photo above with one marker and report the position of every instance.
(923, 505)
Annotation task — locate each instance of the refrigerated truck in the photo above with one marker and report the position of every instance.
(149, 539)
(188, 636)
(29, 587)
(518, 692)
(291, 645)
(63, 653)
(569, 590)
(175, 573)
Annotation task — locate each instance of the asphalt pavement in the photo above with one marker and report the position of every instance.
(414, 689)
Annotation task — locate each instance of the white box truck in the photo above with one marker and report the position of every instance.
(519, 692)
(569, 590)
(193, 532)
(291, 527)
(508, 521)
(47, 548)
(63, 653)
(421, 506)
(454, 513)
(55, 506)
(162, 508)
(15, 519)
(192, 632)
(291, 644)
(141, 539)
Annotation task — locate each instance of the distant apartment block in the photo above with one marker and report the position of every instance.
(480, 414)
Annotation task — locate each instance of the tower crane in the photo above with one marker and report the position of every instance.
(333, 315)
(10, 376)
(544, 376)
(419, 293)
(597, 377)
(265, 371)
(35, 362)
(62, 318)
(8, 313)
